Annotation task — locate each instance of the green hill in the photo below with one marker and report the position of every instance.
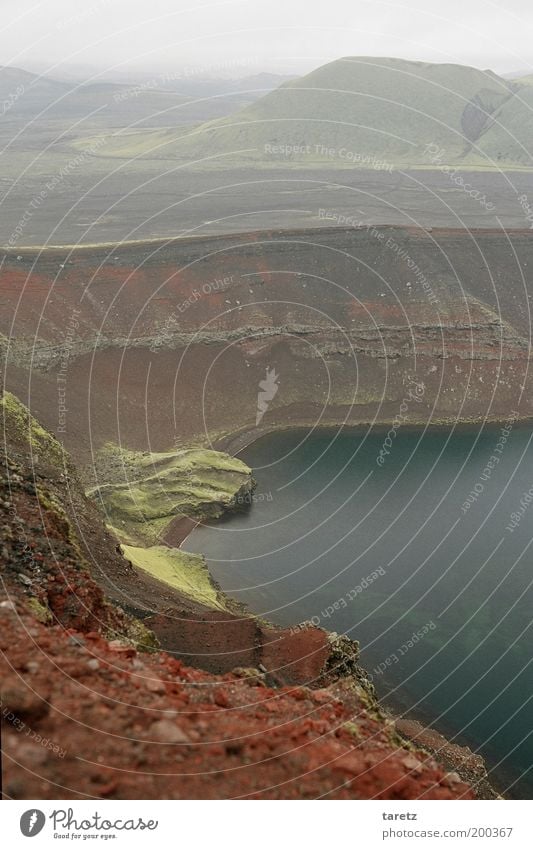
(508, 139)
(366, 112)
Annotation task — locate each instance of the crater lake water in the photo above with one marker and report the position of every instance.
(426, 560)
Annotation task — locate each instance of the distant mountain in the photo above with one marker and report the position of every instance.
(26, 90)
(516, 75)
(526, 80)
(255, 86)
(154, 103)
(265, 81)
(373, 112)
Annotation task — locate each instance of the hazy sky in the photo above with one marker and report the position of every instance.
(278, 35)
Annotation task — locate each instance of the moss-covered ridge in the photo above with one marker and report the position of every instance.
(22, 427)
(187, 573)
(146, 492)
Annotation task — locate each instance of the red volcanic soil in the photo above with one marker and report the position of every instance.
(165, 343)
(128, 726)
(84, 715)
(90, 710)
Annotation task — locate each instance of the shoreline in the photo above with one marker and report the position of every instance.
(426, 728)
(238, 441)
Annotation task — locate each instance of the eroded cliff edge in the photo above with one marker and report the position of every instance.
(296, 718)
(163, 347)
(153, 345)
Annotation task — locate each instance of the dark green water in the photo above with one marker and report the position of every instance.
(385, 552)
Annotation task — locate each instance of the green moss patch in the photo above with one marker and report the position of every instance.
(187, 573)
(40, 611)
(146, 492)
(23, 427)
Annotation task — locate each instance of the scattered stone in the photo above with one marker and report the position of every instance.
(166, 731)
(411, 763)
(33, 754)
(25, 580)
(451, 779)
(122, 648)
(20, 701)
(220, 698)
(155, 685)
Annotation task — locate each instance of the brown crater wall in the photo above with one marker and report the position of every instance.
(167, 341)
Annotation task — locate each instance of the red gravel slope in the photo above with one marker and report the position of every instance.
(87, 713)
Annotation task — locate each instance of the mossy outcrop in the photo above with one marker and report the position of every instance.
(185, 572)
(150, 490)
(145, 493)
(19, 422)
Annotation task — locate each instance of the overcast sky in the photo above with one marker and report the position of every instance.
(287, 36)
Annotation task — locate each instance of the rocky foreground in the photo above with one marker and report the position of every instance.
(88, 717)
(91, 707)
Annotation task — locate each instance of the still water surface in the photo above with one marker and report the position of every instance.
(383, 553)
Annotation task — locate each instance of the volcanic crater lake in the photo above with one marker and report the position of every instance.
(426, 560)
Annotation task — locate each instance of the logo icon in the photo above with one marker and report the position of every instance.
(268, 390)
(32, 822)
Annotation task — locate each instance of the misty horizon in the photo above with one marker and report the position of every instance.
(115, 38)
(225, 71)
